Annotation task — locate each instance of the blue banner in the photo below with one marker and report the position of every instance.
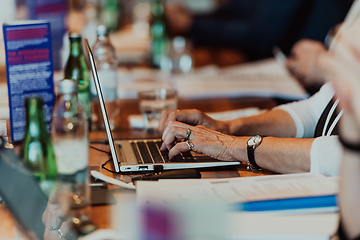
(29, 69)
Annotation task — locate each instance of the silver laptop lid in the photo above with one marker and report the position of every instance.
(102, 105)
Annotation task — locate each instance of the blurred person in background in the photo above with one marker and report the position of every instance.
(343, 70)
(255, 27)
(303, 63)
(301, 131)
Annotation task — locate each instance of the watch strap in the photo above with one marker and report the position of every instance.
(251, 157)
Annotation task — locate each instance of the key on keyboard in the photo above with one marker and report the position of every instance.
(155, 152)
(144, 152)
(157, 156)
(136, 152)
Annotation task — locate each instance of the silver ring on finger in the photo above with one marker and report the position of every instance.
(189, 144)
(188, 133)
(60, 233)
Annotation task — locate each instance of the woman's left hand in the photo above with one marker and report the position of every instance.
(204, 140)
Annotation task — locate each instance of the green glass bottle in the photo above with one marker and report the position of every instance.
(159, 38)
(37, 150)
(110, 14)
(77, 70)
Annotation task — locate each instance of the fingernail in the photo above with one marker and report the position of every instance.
(163, 147)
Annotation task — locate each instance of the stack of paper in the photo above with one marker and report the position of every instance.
(264, 79)
(317, 221)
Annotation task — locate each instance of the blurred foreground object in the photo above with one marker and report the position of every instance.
(37, 150)
(69, 131)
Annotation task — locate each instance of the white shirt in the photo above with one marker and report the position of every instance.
(326, 151)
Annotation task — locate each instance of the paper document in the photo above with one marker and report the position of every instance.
(265, 78)
(140, 79)
(239, 190)
(255, 226)
(136, 120)
(274, 225)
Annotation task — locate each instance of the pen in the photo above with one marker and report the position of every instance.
(279, 55)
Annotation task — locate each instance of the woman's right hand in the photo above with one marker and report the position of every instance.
(192, 117)
(204, 140)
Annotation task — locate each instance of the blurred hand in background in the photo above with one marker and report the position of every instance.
(303, 63)
(178, 18)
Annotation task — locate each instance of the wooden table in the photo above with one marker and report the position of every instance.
(101, 215)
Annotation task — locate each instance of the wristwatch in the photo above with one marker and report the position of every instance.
(252, 144)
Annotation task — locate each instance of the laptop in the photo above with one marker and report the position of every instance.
(144, 155)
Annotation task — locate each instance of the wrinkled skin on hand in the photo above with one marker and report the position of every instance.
(53, 220)
(191, 117)
(205, 140)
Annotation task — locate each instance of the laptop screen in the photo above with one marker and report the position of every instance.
(102, 105)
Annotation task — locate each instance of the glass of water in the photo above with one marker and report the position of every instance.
(152, 103)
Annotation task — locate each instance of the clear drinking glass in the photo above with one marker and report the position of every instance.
(152, 103)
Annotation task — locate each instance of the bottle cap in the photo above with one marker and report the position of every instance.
(101, 30)
(179, 43)
(74, 35)
(68, 86)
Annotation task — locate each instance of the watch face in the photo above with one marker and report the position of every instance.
(254, 141)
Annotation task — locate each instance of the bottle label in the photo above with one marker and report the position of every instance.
(72, 155)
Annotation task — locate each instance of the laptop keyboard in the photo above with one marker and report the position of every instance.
(149, 152)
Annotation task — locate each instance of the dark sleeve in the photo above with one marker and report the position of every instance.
(244, 24)
(255, 26)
